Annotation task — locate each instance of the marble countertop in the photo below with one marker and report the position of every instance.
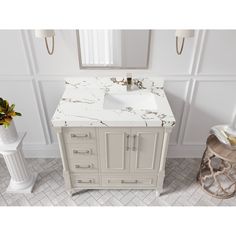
(82, 104)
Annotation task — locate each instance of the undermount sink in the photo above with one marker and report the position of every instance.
(131, 100)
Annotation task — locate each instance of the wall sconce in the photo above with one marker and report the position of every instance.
(182, 34)
(46, 34)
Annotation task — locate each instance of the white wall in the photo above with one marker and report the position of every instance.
(200, 84)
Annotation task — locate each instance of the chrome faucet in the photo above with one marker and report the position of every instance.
(129, 81)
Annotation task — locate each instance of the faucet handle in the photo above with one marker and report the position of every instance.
(129, 78)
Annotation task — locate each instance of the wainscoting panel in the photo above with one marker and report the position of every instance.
(51, 92)
(64, 60)
(176, 92)
(12, 54)
(219, 53)
(164, 59)
(22, 94)
(213, 103)
(200, 84)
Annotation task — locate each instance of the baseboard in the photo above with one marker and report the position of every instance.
(185, 151)
(52, 151)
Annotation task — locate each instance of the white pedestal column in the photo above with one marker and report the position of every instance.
(22, 181)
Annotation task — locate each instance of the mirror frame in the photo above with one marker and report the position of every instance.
(111, 67)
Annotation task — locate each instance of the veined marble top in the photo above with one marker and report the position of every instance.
(82, 104)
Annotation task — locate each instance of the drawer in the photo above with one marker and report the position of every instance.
(82, 151)
(129, 180)
(84, 180)
(79, 135)
(80, 166)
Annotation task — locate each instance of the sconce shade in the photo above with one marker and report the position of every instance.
(44, 33)
(184, 33)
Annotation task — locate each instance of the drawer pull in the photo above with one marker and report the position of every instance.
(81, 151)
(84, 167)
(84, 182)
(79, 135)
(129, 182)
(134, 140)
(127, 145)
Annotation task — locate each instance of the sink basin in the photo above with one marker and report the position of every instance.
(132, 100)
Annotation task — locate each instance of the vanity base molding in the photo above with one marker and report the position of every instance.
(113, 157)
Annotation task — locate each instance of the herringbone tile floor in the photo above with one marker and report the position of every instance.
(180, 189)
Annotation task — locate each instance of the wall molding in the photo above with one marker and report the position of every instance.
(185, 116)
(199, 52)
(192, 78)
(38, 97)
(193, 96)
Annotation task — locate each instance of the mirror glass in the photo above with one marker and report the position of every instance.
(117, 49)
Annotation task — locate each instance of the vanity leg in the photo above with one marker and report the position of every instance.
(70, 192)
(158, 193)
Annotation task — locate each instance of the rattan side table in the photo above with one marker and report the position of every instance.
(217, 174)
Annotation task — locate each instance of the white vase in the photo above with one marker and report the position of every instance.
(9, 134)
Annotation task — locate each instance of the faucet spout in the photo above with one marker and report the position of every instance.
(129, 81)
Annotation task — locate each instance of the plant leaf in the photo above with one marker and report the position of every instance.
(18, 114)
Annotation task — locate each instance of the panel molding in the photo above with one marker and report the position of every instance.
(185, 116)
(26, 50)
(107, 152)
(153, 154)
(193, 97)
(198, 51)
(192, 79)
(39, 82)
(37, 94)
(183, 111)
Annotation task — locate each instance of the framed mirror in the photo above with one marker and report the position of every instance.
(113, 49)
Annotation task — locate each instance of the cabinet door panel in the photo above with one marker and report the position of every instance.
(114, 149)
(146, 149)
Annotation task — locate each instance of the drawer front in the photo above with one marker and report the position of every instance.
(81, 151)
(84, 180)
(80, 166)
(79, 135)
(82, 157)
(129, 181)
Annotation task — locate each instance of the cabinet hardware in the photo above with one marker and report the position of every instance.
(129, 182)
(134, 140)
(81, 151)
(127, 145)
(84, 182)
(79, 135)
(84, 167)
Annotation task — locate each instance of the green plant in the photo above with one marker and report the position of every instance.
(7, 113)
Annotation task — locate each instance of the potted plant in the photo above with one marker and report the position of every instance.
(8, 133)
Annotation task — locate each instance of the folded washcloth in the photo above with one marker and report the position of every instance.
(225, 135)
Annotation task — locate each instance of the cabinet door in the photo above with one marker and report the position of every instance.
(114, 149)
(146, 146)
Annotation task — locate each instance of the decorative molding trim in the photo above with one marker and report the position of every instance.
(45, 111)
(38, 97)
(26, 50)
(192, 65)
(185, 116)
(194, 151)
(194, 92)
(16, 78)
(41, 111)
(192, 79)
(32, 55)
(199, 51)
(186, 81)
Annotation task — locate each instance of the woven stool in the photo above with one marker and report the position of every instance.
(217, 174)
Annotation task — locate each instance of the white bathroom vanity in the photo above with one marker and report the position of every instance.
(113, 135)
